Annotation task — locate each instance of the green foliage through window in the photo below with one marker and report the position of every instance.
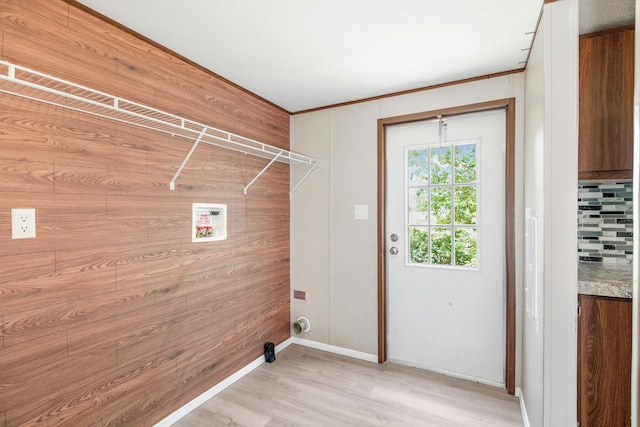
(442, 204)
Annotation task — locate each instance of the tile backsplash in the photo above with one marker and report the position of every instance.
(605, 221)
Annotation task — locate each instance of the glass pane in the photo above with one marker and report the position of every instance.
(418, 205)
(441, 206)
(441, 165)
(417, 161)
(465, 163)
(466, 245)
(441, 246)
(465, 205)
(418, 245)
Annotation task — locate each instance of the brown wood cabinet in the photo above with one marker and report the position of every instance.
(604, 361)
(606, 104)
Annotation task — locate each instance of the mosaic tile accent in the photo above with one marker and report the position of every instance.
(605, 221)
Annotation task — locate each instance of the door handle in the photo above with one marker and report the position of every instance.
(393, 250)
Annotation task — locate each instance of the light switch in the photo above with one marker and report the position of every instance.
(361, 212)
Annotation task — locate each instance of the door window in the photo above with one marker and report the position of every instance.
(442, 204)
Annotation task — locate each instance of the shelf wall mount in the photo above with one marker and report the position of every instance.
(23, 82)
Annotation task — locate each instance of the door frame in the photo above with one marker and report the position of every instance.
(507, 104)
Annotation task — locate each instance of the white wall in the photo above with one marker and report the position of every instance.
(560, 209)
(310, 219)
(334, 256)
(341, 285)
(551, 175)
(533, 320)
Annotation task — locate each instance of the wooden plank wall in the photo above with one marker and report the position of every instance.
(111, 316)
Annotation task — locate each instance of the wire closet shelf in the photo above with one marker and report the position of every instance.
(29, 84)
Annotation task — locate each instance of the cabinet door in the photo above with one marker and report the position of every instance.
(606, 104)
(604, 362)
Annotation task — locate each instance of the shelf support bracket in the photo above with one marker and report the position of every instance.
(246, 188)
(315, 165)
(172, 184)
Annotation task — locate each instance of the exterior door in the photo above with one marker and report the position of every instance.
(446, 263)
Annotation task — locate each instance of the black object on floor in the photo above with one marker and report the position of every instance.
(269, 352)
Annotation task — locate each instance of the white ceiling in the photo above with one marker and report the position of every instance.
(302, 55)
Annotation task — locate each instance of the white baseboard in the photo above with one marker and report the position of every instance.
(523, 409)
(175, 416)
(336, 350)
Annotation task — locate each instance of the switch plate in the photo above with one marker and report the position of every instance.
(361, 212)
(23, 223)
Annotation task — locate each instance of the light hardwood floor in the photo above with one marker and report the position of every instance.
(308, 387)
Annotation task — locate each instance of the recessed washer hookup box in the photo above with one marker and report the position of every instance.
(209, 222)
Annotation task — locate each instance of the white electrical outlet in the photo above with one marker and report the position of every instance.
(23, 223)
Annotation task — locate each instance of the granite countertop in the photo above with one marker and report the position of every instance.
(607, 280)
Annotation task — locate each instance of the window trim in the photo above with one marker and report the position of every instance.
(450, 185)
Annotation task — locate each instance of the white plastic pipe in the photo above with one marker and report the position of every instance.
(301, 325)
